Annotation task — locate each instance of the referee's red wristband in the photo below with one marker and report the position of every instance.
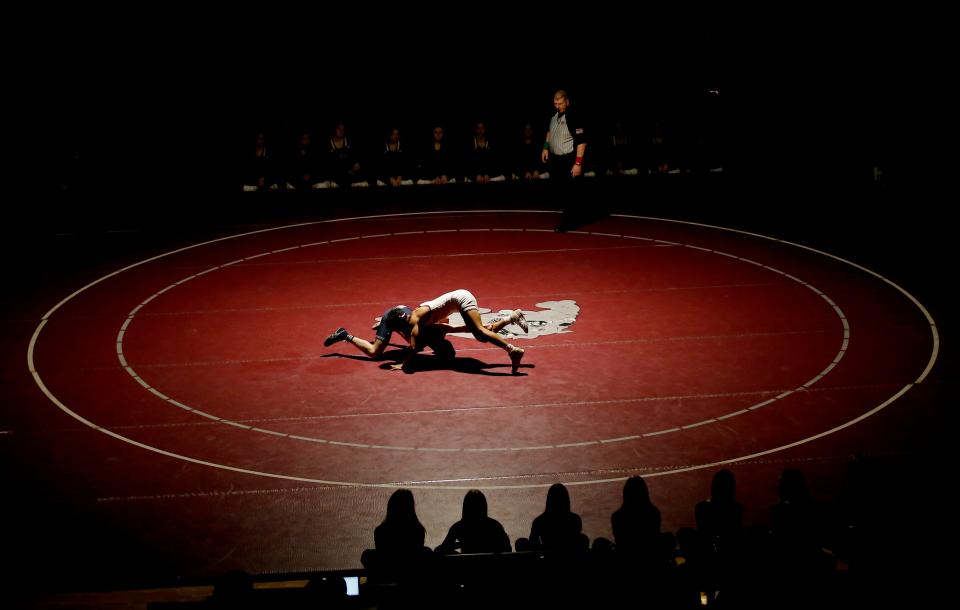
(578, 161)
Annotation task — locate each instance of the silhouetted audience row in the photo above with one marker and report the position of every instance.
(339, 161)
(803, 558)
(791, 563)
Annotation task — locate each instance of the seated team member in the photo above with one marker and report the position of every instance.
(436, 164)
(396, 319)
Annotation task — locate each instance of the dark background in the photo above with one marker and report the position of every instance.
(165, 99)
(153, 105)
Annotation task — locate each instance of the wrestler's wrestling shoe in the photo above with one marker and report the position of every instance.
(516, 353)
(516, 317)
(340, 334)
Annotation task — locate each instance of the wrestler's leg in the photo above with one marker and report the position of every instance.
(474, 325)
(498, 324)
(374, 350)
(434, 337)
(495, 326)
(483, 334)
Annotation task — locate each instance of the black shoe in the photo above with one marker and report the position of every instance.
(338, 335)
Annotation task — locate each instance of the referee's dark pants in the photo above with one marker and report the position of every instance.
(565, 189)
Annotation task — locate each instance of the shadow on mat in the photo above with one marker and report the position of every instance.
(572, 220)
(423, 363)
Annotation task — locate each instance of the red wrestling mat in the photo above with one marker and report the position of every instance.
(656, 348)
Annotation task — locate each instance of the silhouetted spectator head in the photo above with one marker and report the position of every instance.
(339, 130)
(724, 487)
(528, 131)
(558, 499)
(232, 589)
(635, 493)
(438, 134)
(474, 505)
(393, 136)
(793, 487)
(401, 508)
(480, 129)
(602, 546)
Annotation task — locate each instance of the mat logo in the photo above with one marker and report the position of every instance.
(554, 318)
